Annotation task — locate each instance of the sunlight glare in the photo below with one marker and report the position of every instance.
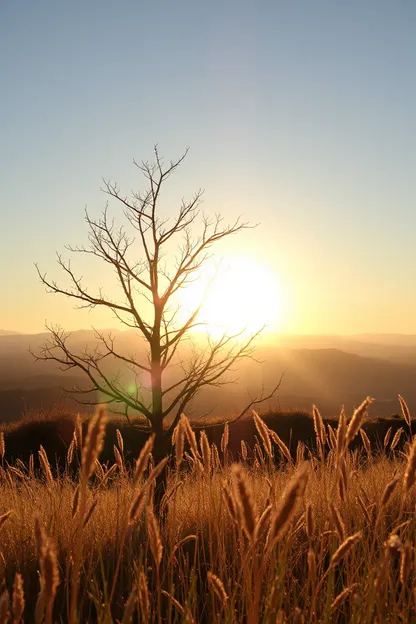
(241, 295)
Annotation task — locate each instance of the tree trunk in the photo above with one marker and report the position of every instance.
(160, 450)
(162, 442)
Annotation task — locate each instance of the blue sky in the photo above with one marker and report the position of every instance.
(299, 115)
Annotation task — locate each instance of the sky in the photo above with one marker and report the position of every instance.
(298, 115)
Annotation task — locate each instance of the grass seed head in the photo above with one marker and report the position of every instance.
(225, 437)
(281, 445)
(410, 472)
(94, 442)
(319, 426)
(154, 537)
(341, 433)
(217, 586)
(18, 599)
(337, 521)
(342, 596)
(4, 607)
(388, 491)
(143, 459)
(387, 437)
(264, 433)
(205, 451)
(406, 563)
(144, 600)
(366, 441)
(120, 441)
(396, 438)
(290, 499)
(244, 454)
(70, 453)
(244, 498)
(343, 550)
(45, 465)
(355, 422)
(2, 445)
(405, 410)
(5, 516)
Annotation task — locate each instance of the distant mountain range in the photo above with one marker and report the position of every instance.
(329, 371)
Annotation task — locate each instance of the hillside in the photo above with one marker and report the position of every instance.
(316, 370)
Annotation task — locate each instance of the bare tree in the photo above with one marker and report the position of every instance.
(148, 303)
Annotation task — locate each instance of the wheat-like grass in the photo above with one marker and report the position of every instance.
(99, 470)
(217, 586)
(225, 438)
(154, 537)
(405, 411)
(341, 434)
(51, 582)
(94, 443)
(343, 550)
(264, 434)
(309, 521)
(342, 596)
(158, 570)
(396, 438)
(215, 456)
(5, 516)
(312, 568)
(281, 445)
(4, 607)
(338, 521)
(144, 601)
(18, 599)
(70, 453)
(78, 432)
(190, 436)
(118, 457)
(2, 446)
(387, 437)
(356, 420)
(178, 440)
(410, 473)
(130, 607)
(319, 426)
(137, 505)
(406, 563)
(120, 441)
(332, 438)
(263, 524)
(290, 499)
(388, 491)
(244, 498)
(205, 452)
(49, 575)
(366, 441)
(46, 468)
(143, 459)
(230, 504)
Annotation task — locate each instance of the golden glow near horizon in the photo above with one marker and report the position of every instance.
(239, 295)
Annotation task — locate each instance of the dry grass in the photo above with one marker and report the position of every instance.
(330, 539)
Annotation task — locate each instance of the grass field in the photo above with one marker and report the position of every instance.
(325, 538)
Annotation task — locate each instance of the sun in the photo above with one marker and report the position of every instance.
(239, 295)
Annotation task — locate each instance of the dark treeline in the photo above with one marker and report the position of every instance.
(25, 438)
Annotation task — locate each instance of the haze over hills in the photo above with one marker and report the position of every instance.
(329, 371)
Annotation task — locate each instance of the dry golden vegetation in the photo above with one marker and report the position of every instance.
(325, 538)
